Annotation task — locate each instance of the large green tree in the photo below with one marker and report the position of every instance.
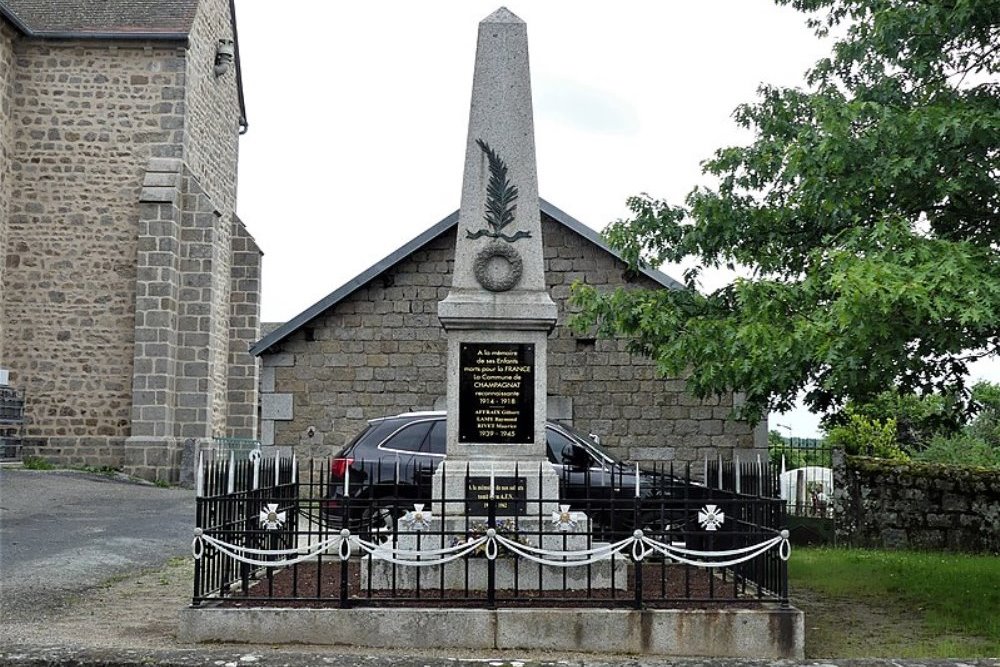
(865, 213)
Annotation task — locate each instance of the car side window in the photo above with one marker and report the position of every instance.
(436, 438)
(410, 438)
(556, 442)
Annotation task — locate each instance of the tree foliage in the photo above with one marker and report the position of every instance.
(866, 212)
(919, 419)
(926, 428)
(978, 442)
(867, 436)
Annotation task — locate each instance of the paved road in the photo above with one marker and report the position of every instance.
(221, 657)
(63, 532)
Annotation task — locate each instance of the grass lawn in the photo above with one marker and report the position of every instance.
(866, 603)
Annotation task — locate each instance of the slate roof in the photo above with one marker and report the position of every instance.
(372, 272)
(65, 18)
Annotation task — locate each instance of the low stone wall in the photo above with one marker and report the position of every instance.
(888, 504)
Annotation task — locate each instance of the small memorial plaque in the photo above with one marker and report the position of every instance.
(496, 393)
(510, 493)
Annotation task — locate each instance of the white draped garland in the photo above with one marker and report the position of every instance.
(639, 545)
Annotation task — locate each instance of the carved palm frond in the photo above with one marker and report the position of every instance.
(501, 194)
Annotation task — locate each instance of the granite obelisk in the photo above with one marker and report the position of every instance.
(498, 314)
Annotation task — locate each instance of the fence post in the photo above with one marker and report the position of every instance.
(636, 552)
(491, 563)
(736, 470)
(783, 564)
(199, 504)
(231, 479)
(346, 523)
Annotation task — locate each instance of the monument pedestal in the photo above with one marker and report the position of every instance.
(467, 483)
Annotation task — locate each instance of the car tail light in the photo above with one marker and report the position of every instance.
(338, 467)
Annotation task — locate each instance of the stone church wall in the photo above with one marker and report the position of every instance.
(122, 248)
(6, 149)
(211, 133)
(86, 119)
(181, 388)
(381, 351)
(244, 330)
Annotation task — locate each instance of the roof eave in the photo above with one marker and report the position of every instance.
(24, 29)
(13, 19)
(372, 272)
(595, 237)
(8, 13)
(244, 126)
(353, 285)
(112, 36)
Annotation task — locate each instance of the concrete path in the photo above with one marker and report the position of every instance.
(64, 532)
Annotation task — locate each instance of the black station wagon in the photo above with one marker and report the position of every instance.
(388, 467)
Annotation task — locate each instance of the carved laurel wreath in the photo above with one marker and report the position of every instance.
(504, 279)
(501, 195)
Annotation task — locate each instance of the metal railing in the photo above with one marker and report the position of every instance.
(269, 533)
(11, 422)
(242, 448)
(806, 466)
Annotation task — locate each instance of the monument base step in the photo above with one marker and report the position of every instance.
(766, 631)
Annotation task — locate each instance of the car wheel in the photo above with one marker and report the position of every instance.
(378, 524)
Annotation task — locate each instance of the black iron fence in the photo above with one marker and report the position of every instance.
(806, 466)
(11, 422)
(356, 533)
(229, 492)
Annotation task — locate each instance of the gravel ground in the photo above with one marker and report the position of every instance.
(139, 613)
(131, 619)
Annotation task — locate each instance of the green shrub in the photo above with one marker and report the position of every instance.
(918, 418)
(964, 449)
(986, 425)
(36, 463)
(867, 436)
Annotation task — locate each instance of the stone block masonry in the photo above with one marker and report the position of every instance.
(381, 351)
(79, 148)
(244, 329)
(892, 505)
(187, 347)
(121, 249)
(6, 151)
(211, 104)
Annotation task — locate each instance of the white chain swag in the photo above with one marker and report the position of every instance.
(638, 544)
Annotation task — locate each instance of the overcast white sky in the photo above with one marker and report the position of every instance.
(358, 113)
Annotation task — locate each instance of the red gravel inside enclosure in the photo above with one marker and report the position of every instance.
(664, 585)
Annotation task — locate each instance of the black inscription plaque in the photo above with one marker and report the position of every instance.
(510, 494)
(496, 393)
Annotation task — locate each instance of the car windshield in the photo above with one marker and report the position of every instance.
(589, 443)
